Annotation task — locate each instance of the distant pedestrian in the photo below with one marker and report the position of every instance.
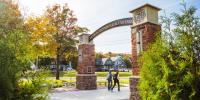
(109, 79)
(116, 80)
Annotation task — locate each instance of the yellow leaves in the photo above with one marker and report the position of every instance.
(42, 34)
(55, 28)
(40, 26)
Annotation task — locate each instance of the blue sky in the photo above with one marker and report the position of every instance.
(95, 13)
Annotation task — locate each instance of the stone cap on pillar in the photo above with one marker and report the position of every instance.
(145, 13)
(84, 39)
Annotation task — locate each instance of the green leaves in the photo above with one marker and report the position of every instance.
(170, 67)
(15, 51)
(34, 86)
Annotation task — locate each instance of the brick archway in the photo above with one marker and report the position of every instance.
(144, 25)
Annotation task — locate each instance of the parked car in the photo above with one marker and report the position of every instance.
(124, 70)
(69, 69)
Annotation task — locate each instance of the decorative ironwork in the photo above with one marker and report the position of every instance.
(113, 24)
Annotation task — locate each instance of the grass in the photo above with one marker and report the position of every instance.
(120, 81)
(121, 74)
(105, 83)
(99, 74)
(70, 74)
(60, 83)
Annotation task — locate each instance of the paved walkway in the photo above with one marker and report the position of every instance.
(99, 94)
(74, 78)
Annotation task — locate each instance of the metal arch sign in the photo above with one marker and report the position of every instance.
(113, 24)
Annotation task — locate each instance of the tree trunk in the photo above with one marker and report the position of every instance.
(57, 66)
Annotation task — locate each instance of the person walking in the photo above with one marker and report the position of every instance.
(109, 79)
(116, 81)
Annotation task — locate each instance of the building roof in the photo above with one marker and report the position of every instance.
(147, 4)
(104, 60)
(112, 58)
(116, 61)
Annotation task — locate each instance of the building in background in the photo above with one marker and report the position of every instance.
(50, 63)
(112, 63)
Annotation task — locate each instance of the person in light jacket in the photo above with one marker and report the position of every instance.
(109, 79)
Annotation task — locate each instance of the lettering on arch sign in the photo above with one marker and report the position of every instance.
(113, 24)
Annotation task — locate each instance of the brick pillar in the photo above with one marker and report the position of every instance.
(86, 78)
(148, 36)
(148, 31)
(135, 68)
(134, 95)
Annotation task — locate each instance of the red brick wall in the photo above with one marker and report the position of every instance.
(86, 59)
(148, 36)
(86, 78)
(86, 81)
(134, 94)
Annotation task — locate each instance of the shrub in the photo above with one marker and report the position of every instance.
(34, 86)
(170, 67)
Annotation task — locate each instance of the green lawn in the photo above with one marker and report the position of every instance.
(60, 83)
(121, 74)
(99, 74)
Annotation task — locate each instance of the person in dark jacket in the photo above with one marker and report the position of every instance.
(109, 78)
(116, 80)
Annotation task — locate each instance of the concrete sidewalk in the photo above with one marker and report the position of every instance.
(99, 94)
(74, 78)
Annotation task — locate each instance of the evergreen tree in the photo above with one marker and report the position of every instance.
(170, 67)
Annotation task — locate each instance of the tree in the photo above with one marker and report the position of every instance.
(110, 54)
(44, 61)
(15, 56)
(72, 56)
(63, 19)
(41, 33)
(170, 67)
(14, 52)
(99, 55)
(127, 61)
(54, 34)
(40, 37)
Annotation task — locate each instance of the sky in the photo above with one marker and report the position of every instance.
(95, 13)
